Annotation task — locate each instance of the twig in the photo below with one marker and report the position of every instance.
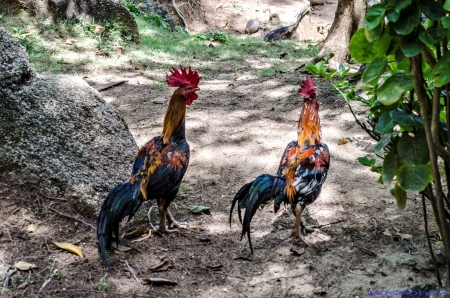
(71, 217)
(331, 223)
(368, 251)
(104, 87)
(287, 290)
(265, 281)
(180, 15)
(425, 220)
(9, 234)
(216, 272)
(8, 276)
(115, 294)
(131, 270)
(48, 279)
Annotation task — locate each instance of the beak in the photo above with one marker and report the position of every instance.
(196, 89)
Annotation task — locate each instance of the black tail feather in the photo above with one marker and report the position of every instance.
(254, 194)
(123, 200)
(240, 198)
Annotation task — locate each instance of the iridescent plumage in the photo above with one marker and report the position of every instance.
(158, 168)
(302, 171)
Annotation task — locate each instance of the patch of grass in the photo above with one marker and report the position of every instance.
(213, 181)
(58, 275)
(100, 286)
(158, 86)
(70, 47)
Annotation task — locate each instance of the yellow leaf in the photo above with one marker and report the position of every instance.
(24, 266)
(342, 142)
(69, 247)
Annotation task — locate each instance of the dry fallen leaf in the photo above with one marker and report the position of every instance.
(31, 228)
(140, 67)
(342, 142)
(99, 29)
(156, 281)
(297, 252)
(163, 266)
(69, 247)
(70, 41)
(119, 52)
(120, 247)
(24, 266)
(387, 232)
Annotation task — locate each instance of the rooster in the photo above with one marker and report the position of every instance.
(158, 168)
(302, 171)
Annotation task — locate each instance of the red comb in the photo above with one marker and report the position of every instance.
(182, 77)
(307, 88)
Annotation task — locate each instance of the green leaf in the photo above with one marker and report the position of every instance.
(390, 163)
(411, 45)
(447, 5)
(413, 150)
(366, 162)
(374, 16)
(400, 196)
(392, 14)
(404, 118)
(408, 20)
(200, 209)
(432, 9)
(360, 48)
(414, 177)
(446, 22)
(385, 123)
(384, 140)
(391, 90)
(441, 70)
(374, 70)
(341, 68)
(374, 34)
(432, 35)
(399, 4)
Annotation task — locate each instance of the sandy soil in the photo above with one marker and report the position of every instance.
(237, 129)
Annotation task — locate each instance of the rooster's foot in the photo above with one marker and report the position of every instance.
(162, 231)
(298, 235)
(172, 222)
(176, 224)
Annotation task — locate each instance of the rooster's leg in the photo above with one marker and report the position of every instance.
(162, 228)
(172, 222)
(299, 227)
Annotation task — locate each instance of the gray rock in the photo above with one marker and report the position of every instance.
(252, 27)
(14, 65)
(92, 11)
(156, 8)
(59, 134)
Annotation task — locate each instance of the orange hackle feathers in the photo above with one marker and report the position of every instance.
(175, 114)
(308, 133)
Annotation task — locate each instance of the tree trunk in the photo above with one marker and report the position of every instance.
(349, 17)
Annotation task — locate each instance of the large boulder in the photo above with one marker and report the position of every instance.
(92, 11)
(57, 132)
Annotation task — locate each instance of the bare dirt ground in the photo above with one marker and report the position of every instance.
(237, 129)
